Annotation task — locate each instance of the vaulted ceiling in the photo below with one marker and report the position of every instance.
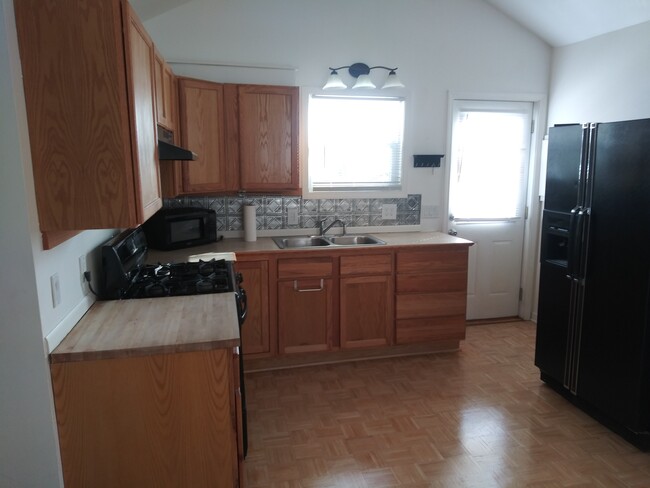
(562, 22)
(558, 22)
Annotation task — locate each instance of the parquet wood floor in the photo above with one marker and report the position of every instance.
(479, 417)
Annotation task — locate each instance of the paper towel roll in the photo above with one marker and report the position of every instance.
(250, 223)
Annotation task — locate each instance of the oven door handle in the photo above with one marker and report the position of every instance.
(242, 305)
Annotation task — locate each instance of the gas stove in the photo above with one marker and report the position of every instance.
(160, 280)
(126, 274)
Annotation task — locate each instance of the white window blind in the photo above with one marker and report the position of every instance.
(355, 143)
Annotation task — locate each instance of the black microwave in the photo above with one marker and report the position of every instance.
(175, 228)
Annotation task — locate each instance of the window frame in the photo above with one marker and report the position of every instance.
(307, 193)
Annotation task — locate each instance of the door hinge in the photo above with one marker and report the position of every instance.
(526, 212)
(521, 294)
(532, 126)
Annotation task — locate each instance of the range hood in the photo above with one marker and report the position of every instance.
(168, 151)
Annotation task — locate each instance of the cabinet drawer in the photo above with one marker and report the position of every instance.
(430, 329)
(430, 305)
(431, 261)
(431, 283)
(304, 267)
(365, 265)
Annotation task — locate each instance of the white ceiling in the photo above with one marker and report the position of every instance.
(558, 22)
(562, 22)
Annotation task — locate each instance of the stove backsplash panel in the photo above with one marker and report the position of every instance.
(272, 211)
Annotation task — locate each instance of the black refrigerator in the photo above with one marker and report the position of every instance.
(593, 322)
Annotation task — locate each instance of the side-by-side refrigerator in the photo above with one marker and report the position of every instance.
(593, 324)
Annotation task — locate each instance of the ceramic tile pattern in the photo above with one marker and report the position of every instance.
(272, 210)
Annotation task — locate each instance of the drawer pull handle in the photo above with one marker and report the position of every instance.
(295, 286)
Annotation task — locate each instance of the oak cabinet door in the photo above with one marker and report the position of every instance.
(366, 311)
(256, 328)
(141, 75)
(268, 138)
(165, 99)
(305, 318)
(203, 131)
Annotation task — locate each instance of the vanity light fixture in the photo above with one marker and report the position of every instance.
(361, 72)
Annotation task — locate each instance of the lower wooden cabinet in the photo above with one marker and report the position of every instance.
(353, 304)
(305, 315)
(164, 420)
(366, 301)
(256, 331)
(306, 308)
(431, 294)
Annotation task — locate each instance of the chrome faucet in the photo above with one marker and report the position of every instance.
(323, 231)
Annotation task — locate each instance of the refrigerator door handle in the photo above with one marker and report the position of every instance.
(583, 223)
(573, 264)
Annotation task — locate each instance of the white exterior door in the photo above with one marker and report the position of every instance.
(490, 155)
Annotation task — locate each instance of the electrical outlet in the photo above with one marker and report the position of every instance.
(56, 290)
(430, 212)
(292, 216)
(83, 267)
(389, 211)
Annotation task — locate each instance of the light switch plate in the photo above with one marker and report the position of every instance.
(389, 211)
(55, 285)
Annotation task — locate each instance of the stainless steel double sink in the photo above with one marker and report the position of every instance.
(294, 242)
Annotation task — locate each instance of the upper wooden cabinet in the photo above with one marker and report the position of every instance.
(268, 138)
(246, 138)
(165, 93)
(89, 92)
(203, 130)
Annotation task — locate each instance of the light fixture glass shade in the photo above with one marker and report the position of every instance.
(393, 81)
(334, 82)
(364, 81)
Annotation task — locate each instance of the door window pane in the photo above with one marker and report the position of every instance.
(490, 154)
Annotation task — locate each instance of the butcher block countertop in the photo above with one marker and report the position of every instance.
(126, 328)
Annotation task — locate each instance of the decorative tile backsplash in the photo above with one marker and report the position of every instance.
(272, 211)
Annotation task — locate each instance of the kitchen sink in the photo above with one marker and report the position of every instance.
(290, 242)
(353, 240)
(321, 241)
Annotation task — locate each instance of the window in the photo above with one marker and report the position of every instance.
(355, 143)
(489, 159)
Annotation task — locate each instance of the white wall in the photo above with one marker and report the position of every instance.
(28, 442)
(438, 45)
(603, 79)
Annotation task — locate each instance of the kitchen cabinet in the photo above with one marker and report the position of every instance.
(256, 331)
(366, 301)
(163, 420)
(431, 294)
(164, 82)
(268, 138)
(146, 394)
(305, 304)
(203, 130)
(246, 137)
(91, 113)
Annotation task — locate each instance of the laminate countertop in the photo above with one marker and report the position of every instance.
(267, 245)
(143, 326)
